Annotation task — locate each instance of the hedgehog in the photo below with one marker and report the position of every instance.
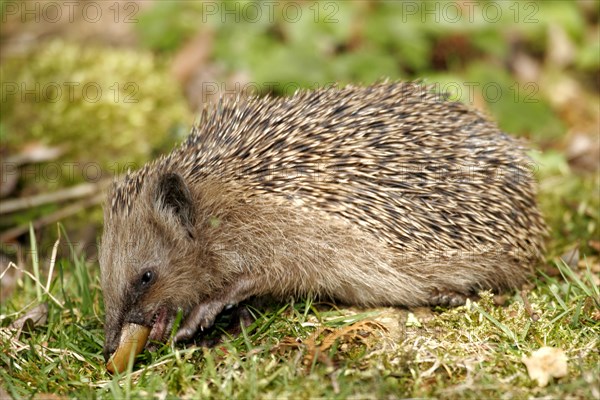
(381, 195)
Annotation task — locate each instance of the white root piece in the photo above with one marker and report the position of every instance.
(133, 340)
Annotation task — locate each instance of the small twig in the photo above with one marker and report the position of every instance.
(37, 282)
(37, 154)
(532, 314)
(76, 192)
(51, 218)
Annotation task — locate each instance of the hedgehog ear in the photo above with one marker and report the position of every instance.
(172, 195)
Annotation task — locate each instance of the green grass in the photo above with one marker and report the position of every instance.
(306, 349)
(473, 351)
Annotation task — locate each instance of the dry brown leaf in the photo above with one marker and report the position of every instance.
(351, 332)
(355, 332)
(546, 363)
(35, 317)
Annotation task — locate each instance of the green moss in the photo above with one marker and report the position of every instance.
(110, 106)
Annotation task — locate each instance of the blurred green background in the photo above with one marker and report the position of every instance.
(116, 84)
(90, 89)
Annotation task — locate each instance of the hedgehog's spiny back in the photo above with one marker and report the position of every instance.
(395, 159)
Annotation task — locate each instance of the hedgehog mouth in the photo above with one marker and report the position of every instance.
(160, 325)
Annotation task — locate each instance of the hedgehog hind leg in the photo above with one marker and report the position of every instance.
(450, 282)
(447, 298)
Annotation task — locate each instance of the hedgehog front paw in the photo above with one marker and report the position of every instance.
(201, 317)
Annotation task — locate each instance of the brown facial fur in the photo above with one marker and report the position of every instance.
(369, 196)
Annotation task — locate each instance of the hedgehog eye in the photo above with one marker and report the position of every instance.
(146, 278)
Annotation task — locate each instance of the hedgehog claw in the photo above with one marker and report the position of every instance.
(447, 298)
(204, 314)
